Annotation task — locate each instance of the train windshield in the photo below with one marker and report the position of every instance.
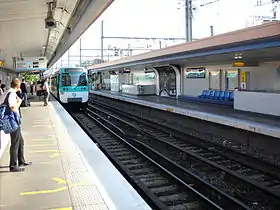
(74, 79)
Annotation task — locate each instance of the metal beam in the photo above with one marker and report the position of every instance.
(145, 38)
(78, 24)
(188, 13)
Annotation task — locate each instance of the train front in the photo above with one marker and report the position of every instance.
(73, 88)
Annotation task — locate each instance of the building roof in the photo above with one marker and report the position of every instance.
(252, 35)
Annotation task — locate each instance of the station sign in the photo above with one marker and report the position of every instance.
(245, 64)
(195, 73)
(243, 80)
(31, 63)
(243, 76)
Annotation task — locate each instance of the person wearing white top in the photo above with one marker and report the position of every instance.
(46, 92)
(17, 141)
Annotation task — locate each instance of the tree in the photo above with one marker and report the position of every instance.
(29, 77)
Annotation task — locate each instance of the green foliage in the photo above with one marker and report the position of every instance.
(30, 77)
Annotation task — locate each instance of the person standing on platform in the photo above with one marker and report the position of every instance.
(39, 90)
(32, 88)
(46, 90)
(19, 94)
(1, 90)
(17, 159)
(23, 88)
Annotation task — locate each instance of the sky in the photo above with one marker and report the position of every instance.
(163, 18)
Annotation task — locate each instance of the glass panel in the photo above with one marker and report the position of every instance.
(231, 79)
(214, 80)
(144, 78)
(73, 79)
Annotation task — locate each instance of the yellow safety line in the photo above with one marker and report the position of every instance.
(44, 191)
(41, 145)
(42, 125)
(45, 139)
(46, 151)
(50, 191)
(59, 181)
(55, 155)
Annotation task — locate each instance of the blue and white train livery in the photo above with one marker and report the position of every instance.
(70, 85)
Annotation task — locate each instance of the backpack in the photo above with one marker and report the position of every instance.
(9, 120)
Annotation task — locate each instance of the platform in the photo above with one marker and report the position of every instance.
(263, 124)
(68, 170)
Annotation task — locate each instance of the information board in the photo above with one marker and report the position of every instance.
(29, 63)
(195, 73)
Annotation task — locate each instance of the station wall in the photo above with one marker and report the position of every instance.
(194, 86)
(264, 78)
(215, 77)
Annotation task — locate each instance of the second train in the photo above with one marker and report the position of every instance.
(70, 86)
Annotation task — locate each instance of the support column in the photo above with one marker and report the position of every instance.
(102, 38)
(188, 11)
(178, 80)
(68, 57)
(80, 51)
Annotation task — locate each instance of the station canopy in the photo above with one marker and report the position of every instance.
(36, 33)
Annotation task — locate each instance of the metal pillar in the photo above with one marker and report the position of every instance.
(81, 51)
(102, 37)
(188, 11)
(212, 30)
(68, 57)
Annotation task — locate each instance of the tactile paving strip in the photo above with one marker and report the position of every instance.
(83, 192)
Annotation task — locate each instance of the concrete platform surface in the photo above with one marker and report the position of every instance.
(263, 124)
(68, 170)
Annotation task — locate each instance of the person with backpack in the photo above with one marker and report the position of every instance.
(10, 123)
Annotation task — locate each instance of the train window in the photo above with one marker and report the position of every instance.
(65, 79)
(82, 80)
(74, 79)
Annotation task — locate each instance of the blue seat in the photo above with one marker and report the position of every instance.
(203, 94)
(217, 94)
(226, 98)
(211, 95)
(208, 92)
(222, 95)
(231, 96)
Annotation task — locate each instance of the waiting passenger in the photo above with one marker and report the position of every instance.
(3, 88)
(32, 88)
(1, 91)
(23, 87)
(20, 96)
(46, 92)
(39, 90)
(17, 142)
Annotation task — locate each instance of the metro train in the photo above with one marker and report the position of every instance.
(70, 86)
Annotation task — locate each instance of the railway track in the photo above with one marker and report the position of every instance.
(162, 182)
(252, 182)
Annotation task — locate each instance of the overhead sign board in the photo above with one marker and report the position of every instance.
(31, 63)
(245, 64)
(195, 73)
